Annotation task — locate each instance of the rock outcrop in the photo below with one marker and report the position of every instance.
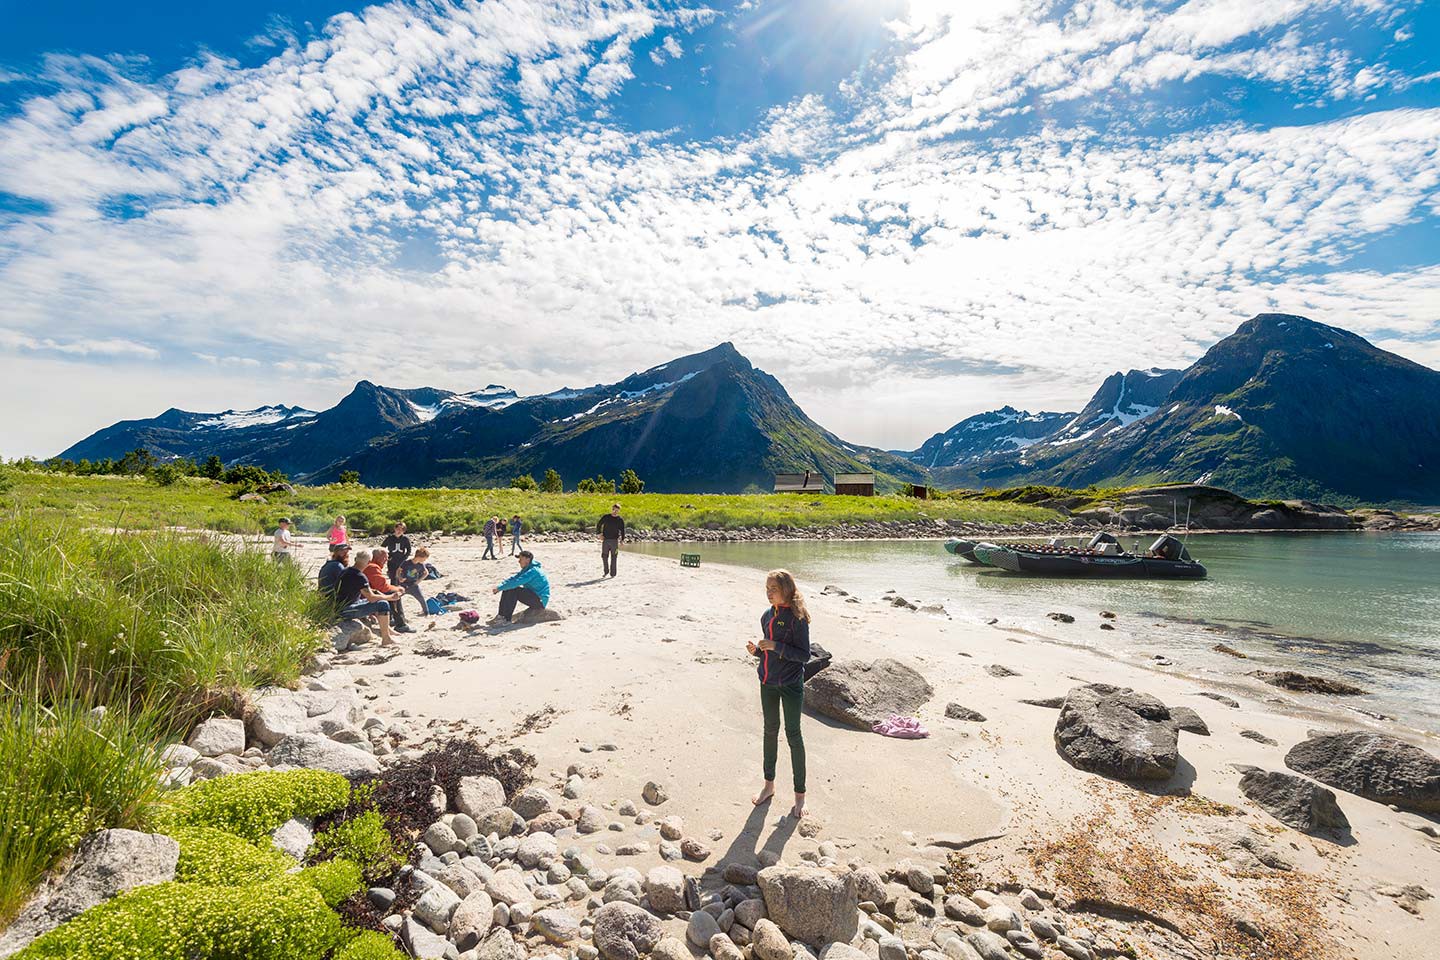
(860, 694)
(1373, 766)
(1117, 732)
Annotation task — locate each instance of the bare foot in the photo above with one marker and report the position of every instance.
(765, 794)
(798, 811)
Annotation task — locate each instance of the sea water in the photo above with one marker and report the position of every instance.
(1355, 606)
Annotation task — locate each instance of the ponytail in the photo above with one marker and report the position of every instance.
(793, 598)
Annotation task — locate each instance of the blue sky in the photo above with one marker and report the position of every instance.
(908, 210)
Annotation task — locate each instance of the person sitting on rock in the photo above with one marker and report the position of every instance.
(386, 589)
(783, 650)
(355, 599)
(529, 586)
(328, 580)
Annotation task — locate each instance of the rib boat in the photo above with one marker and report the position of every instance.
(1167, 559)
(964, 549)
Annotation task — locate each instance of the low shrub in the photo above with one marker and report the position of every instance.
(370, 946)
(335, 880)
(363, 840)
(283, 919)
(252, 805)
(215, 858)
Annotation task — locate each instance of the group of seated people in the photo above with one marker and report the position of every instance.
(359, 585)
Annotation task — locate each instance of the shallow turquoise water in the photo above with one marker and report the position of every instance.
(1365, 607)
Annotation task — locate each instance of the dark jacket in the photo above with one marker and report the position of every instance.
(398, 549)
(785, 665)
(611, 527)
(329, 577)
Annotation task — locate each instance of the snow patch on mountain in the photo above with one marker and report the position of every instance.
(260, 416)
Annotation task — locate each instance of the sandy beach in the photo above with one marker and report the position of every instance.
(647, 679)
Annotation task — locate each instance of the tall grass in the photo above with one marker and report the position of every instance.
(157, 628)
(67, 769)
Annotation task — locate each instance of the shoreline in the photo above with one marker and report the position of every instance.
(654, 663)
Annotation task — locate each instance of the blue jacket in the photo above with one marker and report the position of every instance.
(785, 664)
(532, 577)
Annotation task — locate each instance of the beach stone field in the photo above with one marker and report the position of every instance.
(1062, 804)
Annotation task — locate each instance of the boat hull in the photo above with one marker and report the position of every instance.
(1083, 565)
(964, 549)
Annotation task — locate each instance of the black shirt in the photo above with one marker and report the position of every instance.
(397, 550)
(611, 527)
(329, 577)
(352, 581)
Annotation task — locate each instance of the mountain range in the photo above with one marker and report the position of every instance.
(1283, 407)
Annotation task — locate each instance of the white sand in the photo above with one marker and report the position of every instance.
(654, 661)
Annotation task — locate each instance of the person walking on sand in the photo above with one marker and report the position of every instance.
(529, 586)
(397, 549)
(611, 529)
(490, 531)
(515, 527)
(339, 533)
(783, 650)
(282, 551)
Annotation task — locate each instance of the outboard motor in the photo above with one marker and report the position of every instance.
(1169, 548)
(1102, 538)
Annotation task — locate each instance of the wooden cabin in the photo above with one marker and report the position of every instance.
(807, 482)
(855, 484)
(917, 490)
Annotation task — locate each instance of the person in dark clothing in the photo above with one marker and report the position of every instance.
(491, 529)
(783, 650)
(412, 571)
(328, 580)
(354, 598)
(515, 527)
(397, 549)
(611, 529)
(387, 590)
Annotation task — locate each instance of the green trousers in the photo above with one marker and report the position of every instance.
(772, 698)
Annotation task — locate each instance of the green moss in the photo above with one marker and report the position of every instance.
(215, 858)
(334, 880)
(283, 919)
(252, 805)
(369, 946)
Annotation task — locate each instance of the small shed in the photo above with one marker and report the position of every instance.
(855, 484)
(807, 482)
(918, 490)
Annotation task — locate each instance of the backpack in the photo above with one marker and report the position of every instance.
(433, 606)
(819, 660)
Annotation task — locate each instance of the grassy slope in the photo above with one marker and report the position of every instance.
(139, 504)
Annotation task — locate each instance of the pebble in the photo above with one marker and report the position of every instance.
(693, 849)
(654, 794)
(1030, 900)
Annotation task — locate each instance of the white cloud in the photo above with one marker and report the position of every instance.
(848, 242)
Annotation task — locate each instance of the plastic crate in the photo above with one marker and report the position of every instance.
(689, 559)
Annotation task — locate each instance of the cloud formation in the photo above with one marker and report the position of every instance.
(1046, 191)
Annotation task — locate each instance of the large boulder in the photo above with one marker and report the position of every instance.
(665, 889)
(277, 713)
(1373, 766)
(316, 752)
(811, 905)
(105, 864)
(860, 694)
(471, 921)
(1293, 800)
(218, 736)
(477, 797)
(624, 931)
(1117, 732)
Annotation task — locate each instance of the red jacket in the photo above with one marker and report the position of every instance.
(376, 576)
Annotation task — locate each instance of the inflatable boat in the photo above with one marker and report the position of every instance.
(1167, 559)
(964, 549)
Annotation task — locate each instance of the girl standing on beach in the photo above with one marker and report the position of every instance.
(783, 649)
(338, 533)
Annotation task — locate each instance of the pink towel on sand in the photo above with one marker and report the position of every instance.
(903, 728)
